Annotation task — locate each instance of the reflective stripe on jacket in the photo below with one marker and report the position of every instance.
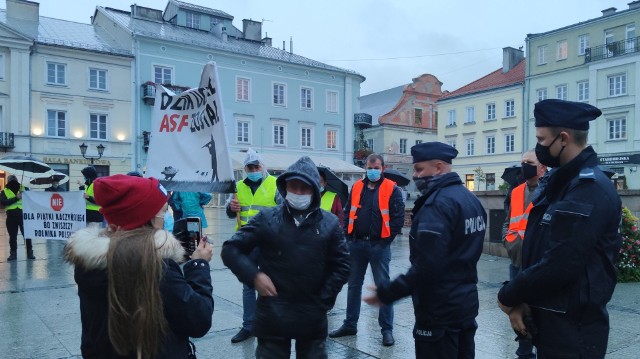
(384, 195)
(251, 204)
(89, 191)
(518, 216)
(326, 202)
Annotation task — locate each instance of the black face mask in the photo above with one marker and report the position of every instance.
(529, 171)
(544, 154)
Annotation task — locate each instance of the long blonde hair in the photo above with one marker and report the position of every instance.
(136, 316)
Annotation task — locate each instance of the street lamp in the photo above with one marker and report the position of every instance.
(83, 150)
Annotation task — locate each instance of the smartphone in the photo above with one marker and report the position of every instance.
(194, 229)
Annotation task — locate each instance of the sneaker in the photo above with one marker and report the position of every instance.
(242, 335)
(343, 331)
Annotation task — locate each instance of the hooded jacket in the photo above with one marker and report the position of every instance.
(307, 261)
(187, 299)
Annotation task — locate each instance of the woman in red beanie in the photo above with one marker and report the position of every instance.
(135, 302)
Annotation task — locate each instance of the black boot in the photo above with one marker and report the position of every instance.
(12, 256)
(29, 249)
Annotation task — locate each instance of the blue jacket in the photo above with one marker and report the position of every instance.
(191, 203)
(447, 234)
(568, 259)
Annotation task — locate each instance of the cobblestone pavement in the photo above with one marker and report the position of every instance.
(40, 318)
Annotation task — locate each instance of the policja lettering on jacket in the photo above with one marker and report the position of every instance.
(474, 224)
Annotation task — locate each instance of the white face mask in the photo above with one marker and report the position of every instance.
(299, 201)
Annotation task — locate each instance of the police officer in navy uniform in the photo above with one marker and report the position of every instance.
(571, 242)
(447, 233)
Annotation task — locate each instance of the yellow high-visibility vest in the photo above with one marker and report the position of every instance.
(251, 204)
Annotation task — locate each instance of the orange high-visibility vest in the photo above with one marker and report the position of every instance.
(384, 195)
(518, 216)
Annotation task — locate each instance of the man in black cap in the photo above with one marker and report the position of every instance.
(447, 233)
(571, 242)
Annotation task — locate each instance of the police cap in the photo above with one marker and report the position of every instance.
(567, 114)
(433, 151)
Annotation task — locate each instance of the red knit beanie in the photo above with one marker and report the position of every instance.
(127, 201)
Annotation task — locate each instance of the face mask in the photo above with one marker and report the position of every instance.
(422, 183)
(321, 189)
(373, 174)
(543, 154)
(529, 171)
(254, 176)
(299, 201)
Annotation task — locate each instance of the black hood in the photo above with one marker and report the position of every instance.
(305, 168)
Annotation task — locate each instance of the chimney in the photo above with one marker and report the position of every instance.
(634, 4)
(609, 11)
(25, 12)
(291, 45)
(252, 30)
(283, 47)
(266, 40)
(510, 58)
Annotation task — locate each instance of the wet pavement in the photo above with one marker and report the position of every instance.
(40, 317)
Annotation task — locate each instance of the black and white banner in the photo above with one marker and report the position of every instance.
(53, 215)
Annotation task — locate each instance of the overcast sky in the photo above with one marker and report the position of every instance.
(387, 41)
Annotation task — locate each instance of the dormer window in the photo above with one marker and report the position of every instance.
(193, 20)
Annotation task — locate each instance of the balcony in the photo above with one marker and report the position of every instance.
(149, 91)
(362, 120)
(6, 141)
(612, 49)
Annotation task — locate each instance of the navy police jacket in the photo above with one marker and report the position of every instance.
(447, 232)
(568, 259)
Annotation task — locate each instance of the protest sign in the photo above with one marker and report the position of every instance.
(52, 215)
(188, 149)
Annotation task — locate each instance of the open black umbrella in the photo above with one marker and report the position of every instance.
(513, 175)
(607, 171)
(45, 182)
(25, 167)
(335, 184)
(397, 177)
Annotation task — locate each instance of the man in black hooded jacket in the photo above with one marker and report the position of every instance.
(302, 265)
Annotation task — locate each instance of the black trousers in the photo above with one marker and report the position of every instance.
(94, 216)
(448, 344)
(14, 223)
(281, 349)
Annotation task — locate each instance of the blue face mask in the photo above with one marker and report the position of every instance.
(321, 189)
(373, 174)
(254, 176)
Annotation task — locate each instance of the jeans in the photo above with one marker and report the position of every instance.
(249, 296)
(378, 255)
(525, 347)
(305, 349)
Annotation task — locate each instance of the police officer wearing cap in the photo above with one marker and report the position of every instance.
(446, 238)
(571, 242)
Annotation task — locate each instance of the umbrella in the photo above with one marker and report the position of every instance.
(607, 171)
(335, 184)
(45, 182)
(397, 177)
(513, 175)
(25, 167)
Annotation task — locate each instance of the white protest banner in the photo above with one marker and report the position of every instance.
(53, 215)
(188, 149)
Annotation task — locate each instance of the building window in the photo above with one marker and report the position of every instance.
(629, 36)
(617, 129)
(561, 50)
(1, 67)
(452, 118)
(243, 89)
(56, 123)
(491, 145)
(97, 79)
(332, 139)
(193, 20)
(213, 22)
(617, 85)
(242, 132)
(369, 143)
(471, 114)
(509, 108)
(583, 91)
(470, 144)
(279, 134)
(56, 73)
(417, 116)
(162, 75)
(332, 101)
(469, 182)
(583, 44)
(403, 145)
(490, 181)
(608, 39)
(305, 137)
(98, 127)
(561, 92)
(451, 143)
(542, 55)
(418, 142)
(279, 94)
(306, 98)
(491, 111)
(509, 143)
(542, 94)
